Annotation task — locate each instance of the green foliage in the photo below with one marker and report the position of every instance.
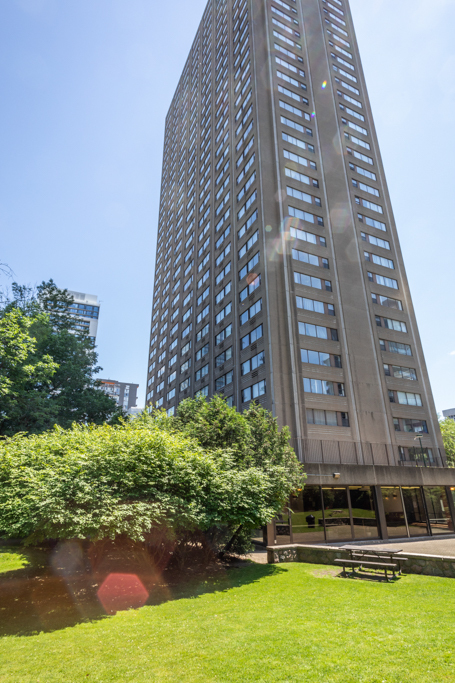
(448, 436)
(137, 480)
(47, 365)
(253, 436)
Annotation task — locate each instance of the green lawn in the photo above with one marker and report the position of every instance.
(280, 624)
(10, 560)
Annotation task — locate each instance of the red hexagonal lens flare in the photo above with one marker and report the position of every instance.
(122, 591)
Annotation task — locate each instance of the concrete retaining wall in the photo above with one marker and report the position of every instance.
(430, 565)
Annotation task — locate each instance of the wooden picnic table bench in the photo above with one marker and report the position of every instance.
(357, 553)
(386, 566)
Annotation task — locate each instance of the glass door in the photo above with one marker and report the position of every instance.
(307, 520)
(394, 513)
(337, 514)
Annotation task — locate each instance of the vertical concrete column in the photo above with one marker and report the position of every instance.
(381, 514)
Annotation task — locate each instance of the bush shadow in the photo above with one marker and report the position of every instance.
(46, 596)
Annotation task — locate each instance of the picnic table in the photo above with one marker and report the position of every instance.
(371, 557)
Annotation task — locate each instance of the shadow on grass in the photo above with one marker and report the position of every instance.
(45, 597)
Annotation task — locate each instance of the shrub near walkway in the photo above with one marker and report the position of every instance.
(260, 623)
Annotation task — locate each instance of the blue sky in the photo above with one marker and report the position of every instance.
(85, 87)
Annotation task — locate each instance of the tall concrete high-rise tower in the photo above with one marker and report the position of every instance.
(279, 274)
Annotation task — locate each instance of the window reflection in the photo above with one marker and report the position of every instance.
(415, 511)
(363, 512)
(307, 517)
(336, 513)
(438, 510)
(394, 513)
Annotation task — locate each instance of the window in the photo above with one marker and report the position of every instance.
(202, 332)
(203, 314)
(253, 363)
(251, 199)
(251, 337)
(293, 95)
(249, 289)
(221, 239)
(170, 395)
(294, 110)
(387, 301)
(379, 260)
(406, 398)
(296, 126)
(203, 279)
(384, 281)
(310, 281)
(224, 380)
(185, 384)
(222, 274)
(251, 312)
(359, 155)
(297, 142)
(202, 372)
(320, 358)
(203, 296)
(185, 348)
(314, 305)
(250, 393)
(372, 222)
(247, 246)
(290, 80)
(187, 330)
(202, 352)
(185, 366)
(364, 187)
(160, 387)
(307, 237)
(357, 141)
(390, 324)
(305, 216)
(395, 347)
(410, 425)
(224, 334)
(223, 357)
(223, 313)
(364, 172)
(246, 226)
(249, 266)
(399, 372)
(224, 292)
(320, 386)
(305, 257)
(296, 158)
(187, 314)
(172, 377)
(310, 330)
(375, 240)
(330, 418)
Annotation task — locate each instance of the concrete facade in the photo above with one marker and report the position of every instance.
(277, 243)
(123, 392)
(86, 308)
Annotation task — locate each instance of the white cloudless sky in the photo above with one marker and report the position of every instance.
(85, 87)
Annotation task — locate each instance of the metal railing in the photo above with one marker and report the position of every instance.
(361, 453)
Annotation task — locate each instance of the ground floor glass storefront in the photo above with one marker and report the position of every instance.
(325, 514)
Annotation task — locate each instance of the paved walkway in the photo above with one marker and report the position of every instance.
(444, 547)
(432, 546)
(259, 555)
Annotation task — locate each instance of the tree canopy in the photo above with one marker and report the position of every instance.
(47, 364)
(149, 478)
(447, 426)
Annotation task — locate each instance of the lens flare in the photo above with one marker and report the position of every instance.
(324, 85)
(313, 114)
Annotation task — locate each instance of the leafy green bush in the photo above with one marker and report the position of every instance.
(145, 480)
